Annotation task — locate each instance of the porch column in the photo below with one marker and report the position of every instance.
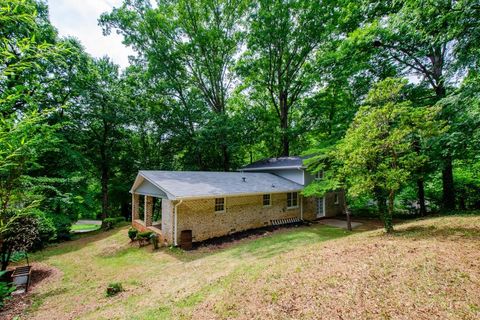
(148, 210)
(135, 206)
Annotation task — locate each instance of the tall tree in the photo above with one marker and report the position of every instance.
(100, 120)
(190, 48)
(421, 39)
(283, 37)
(378, 153)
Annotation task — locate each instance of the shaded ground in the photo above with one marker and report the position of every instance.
(339, 223)
(429, 269)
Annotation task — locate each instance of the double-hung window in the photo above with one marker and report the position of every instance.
(219, 204)
(319, 175)
(292, 200)
(267, 200)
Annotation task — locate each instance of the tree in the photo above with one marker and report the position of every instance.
(100, 121)
(423, 39)
(190, 48)
(27, 50)
(279, 64)
(377, 153)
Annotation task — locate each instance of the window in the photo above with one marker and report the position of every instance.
(319, 175)
(219, 204)
(267, 200)
(292, 199)
(336, 198)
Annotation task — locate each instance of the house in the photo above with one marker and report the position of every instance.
(213, 204)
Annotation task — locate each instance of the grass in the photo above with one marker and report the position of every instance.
(426, 269)
(84, 227)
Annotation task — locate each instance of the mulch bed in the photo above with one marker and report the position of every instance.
(20, 302)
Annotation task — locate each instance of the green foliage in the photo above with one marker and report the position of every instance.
(217, 84)
(132, 233)
(6, 290)
(114, 288)
(144, 235)
(110, 223)
(21, 233)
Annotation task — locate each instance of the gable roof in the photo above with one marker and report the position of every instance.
(204, 184)
(293, 162)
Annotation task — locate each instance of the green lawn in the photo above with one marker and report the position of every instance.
(157, 284)
(428, 267)
(85, 227)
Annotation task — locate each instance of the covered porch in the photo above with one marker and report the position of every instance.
(147, 213)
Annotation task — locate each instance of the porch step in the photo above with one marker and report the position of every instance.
(280, 222)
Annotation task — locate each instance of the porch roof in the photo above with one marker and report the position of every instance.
(205, 184)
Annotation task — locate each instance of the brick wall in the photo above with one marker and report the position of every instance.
(242, 213)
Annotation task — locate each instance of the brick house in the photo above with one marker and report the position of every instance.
(213, 204)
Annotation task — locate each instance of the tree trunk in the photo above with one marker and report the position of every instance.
(104, 184)
(226, 158)
(346, 210)
(420, 184)
(285, 141)
(421, 197)
(448, 186)
(389, 216)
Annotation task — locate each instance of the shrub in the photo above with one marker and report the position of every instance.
(5, 290)
(46, 229)
(114, 288)
(119, 219)
(144, 235)
(108, 223)
(144, 238)
(62, 224)
(154, 239)
(20, 235)
(132, 233)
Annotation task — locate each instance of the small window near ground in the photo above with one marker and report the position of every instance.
(267, 200)
(219, 204)
(319, 175)
(336, 198)
(292, 199)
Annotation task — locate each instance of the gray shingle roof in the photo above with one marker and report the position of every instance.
(280, 162)
(189, 184)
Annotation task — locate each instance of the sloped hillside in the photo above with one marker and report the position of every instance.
(428, 269)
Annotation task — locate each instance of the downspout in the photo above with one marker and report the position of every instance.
(301, 207)
(175, 223)
(301, 196)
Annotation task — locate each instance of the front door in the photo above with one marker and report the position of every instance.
(320, 207)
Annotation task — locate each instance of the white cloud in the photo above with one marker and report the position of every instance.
(79, 18)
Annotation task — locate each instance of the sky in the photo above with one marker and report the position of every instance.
(78, 18)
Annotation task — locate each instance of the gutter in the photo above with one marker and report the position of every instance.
(269, 168)
(175, 223)
(235, 194)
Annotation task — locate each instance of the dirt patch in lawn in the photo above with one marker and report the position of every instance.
(41, 274)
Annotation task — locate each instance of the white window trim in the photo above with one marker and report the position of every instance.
(224, 205)
(293, 207)
(270, 197)
(322, 175)
(336, 198)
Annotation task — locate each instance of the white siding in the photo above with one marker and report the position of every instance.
(148, 189)
(309, 178)
(295, 175)
(167, 219)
